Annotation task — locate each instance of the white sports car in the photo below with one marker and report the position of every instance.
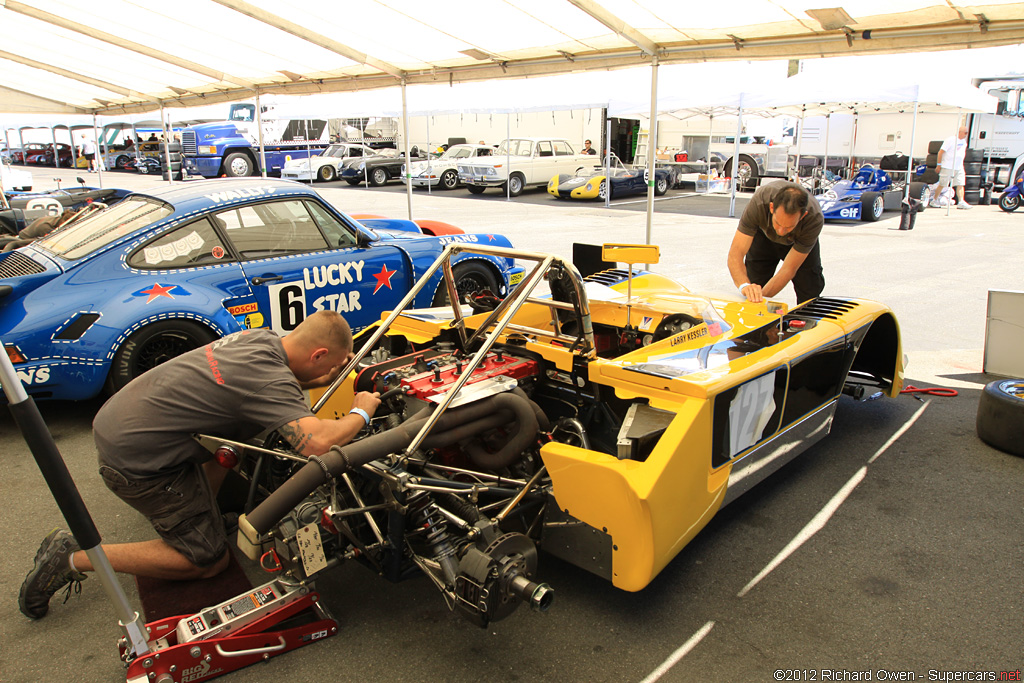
(444, 170)
(325, 166)
(14, 179)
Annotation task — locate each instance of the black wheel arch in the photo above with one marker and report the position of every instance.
(877, 354)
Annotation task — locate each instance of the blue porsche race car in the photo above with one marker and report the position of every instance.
(868, 194)
(103, 299)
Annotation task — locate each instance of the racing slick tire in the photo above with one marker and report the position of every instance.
(470, 278)
(449, 180)
(973, 168)
(660, 186)
(237, 165)
(327, 174)
(747, 172)
(973, 155)
(933, 147)
(922, 192)
(972, 182)
(1000, 420)
(151, 346)
(872, 204)
(378, 177)
(475, 189)
(515, 185)
(931, 160)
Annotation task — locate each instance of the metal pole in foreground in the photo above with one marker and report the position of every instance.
(652, 143)
(69, 500)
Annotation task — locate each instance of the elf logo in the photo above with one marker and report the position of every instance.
(850, 212)
(34, 375)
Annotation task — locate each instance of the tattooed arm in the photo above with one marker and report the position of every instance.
(313, 436)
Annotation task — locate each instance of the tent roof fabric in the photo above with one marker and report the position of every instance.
(129, 56)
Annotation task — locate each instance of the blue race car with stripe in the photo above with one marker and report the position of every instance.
(869, 193)
(101, 300)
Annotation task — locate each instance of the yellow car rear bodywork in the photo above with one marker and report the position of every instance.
(744, 390)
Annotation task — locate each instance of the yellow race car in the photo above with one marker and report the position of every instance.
(605, 422)
(593, 182)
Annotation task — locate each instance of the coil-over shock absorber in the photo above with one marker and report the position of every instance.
(425, 516)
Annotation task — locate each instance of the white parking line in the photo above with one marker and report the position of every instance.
(818, 522)
(683, 650)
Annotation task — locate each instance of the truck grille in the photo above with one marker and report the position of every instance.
(188, 142)
(17, 264)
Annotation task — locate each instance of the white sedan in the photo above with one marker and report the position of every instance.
(324, 166)
(444, 170)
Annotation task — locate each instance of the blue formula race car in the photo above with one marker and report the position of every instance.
(868, 194)
(103, 299)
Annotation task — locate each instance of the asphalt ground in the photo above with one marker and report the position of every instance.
(896, 542)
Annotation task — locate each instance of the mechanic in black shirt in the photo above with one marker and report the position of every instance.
(781, 223)
(587, 149)
(235, 387)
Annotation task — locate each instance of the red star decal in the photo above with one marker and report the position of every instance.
(158, 290)
(383, 278)
(490, 238)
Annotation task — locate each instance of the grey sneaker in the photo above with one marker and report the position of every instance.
(50, 573)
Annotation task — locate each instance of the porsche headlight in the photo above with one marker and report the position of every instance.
(590, 187)
(361, 166)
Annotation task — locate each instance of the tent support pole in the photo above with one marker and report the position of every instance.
(259, 131)
(910, 157)
(956, 134)
(799, 143)
(652, 141)
(508, 155)
(853, 143)
(736, 159)
(429, 156)
(56, 155)
(607, 164)
(166, 146)
(711, 132)
(74, 153)
(405, 144)
(828, 133)
(99, 162)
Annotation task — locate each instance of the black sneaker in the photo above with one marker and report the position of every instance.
(50, 573)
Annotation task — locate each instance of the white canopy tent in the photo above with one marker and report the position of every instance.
(150, 55)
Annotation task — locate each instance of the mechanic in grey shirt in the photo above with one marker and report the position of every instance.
(781, 223)
(236, 387)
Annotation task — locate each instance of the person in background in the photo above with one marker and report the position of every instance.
(950, 165)
(89, 152)
(587, 149)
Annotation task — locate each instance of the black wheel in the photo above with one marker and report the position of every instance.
(1000, 421)
(172, 148)
(238, 165)
(378, 177)
(353, 181)
(972, 197)
(660, 186)
(931, 160)
(973, 156)
(515, 185)
(746, 173)
(872, 204)
(327, 174)
(973, 168)
(972, 182)
(470, 277)
(921, 192)
(153, 345)
(475, 189)
(933, 147)
(450, 179)
(1008, 203)
(121, 161)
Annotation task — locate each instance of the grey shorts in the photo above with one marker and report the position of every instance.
(180, 506)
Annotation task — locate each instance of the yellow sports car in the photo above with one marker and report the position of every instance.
(605, 422)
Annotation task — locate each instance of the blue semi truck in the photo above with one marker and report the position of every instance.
(231, 148)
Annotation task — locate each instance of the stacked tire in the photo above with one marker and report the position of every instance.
(973, 163)
(172, 150)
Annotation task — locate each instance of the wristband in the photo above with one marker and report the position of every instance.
(744, 285)
(361, 413)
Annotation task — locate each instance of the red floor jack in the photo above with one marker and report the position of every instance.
(255, 626)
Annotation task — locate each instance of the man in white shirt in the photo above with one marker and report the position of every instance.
(89, 152)
(950, 165)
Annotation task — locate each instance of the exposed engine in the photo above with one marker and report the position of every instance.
(463, 506)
